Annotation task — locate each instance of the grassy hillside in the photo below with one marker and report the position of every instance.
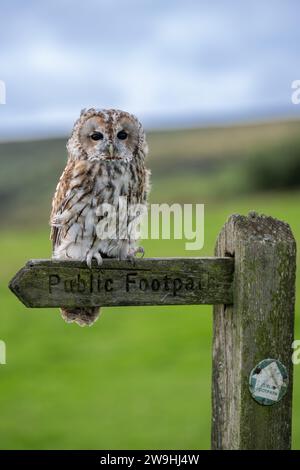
(140, 377)
(187, 165)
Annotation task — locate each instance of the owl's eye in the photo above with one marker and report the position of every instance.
(96, 136)
(122, 135)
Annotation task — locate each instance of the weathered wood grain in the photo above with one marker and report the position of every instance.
(169, 281)
(257, 326)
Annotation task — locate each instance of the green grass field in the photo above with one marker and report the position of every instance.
(140, 378)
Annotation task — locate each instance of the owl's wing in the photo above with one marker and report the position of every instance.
(138, 196)
(141, 194)
(146, 186)
(59, 202)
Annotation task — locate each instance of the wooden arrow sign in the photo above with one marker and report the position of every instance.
(168, 281)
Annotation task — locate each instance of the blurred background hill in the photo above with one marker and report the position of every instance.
(188, 165)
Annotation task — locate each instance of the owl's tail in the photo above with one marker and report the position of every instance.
(82, 316)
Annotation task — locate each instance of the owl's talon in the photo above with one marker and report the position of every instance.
(140, 250)
(93, 255)
(130, 258)
(132, 254)
(98, 258)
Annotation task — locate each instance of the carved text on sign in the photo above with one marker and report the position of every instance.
(131, 282)
(167, 281)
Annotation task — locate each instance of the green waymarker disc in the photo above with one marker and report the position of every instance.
(268, 382)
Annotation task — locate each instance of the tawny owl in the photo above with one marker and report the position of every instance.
(106, 161)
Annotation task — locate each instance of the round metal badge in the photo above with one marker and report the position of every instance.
(268, 382)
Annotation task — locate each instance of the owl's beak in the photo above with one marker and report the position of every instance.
(111, 150)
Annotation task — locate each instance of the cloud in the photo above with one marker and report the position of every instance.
(164, 61)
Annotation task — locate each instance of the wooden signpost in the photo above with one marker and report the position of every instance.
(170, 281)
(250, 282)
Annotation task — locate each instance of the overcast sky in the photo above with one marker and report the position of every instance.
(172, 62)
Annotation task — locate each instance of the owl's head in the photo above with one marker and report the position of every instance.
(107, 134)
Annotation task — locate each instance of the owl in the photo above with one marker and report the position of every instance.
(106, 165)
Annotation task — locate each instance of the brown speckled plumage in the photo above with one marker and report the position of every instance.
(97, 172)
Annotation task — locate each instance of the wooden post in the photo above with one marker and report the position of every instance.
(259, 325)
